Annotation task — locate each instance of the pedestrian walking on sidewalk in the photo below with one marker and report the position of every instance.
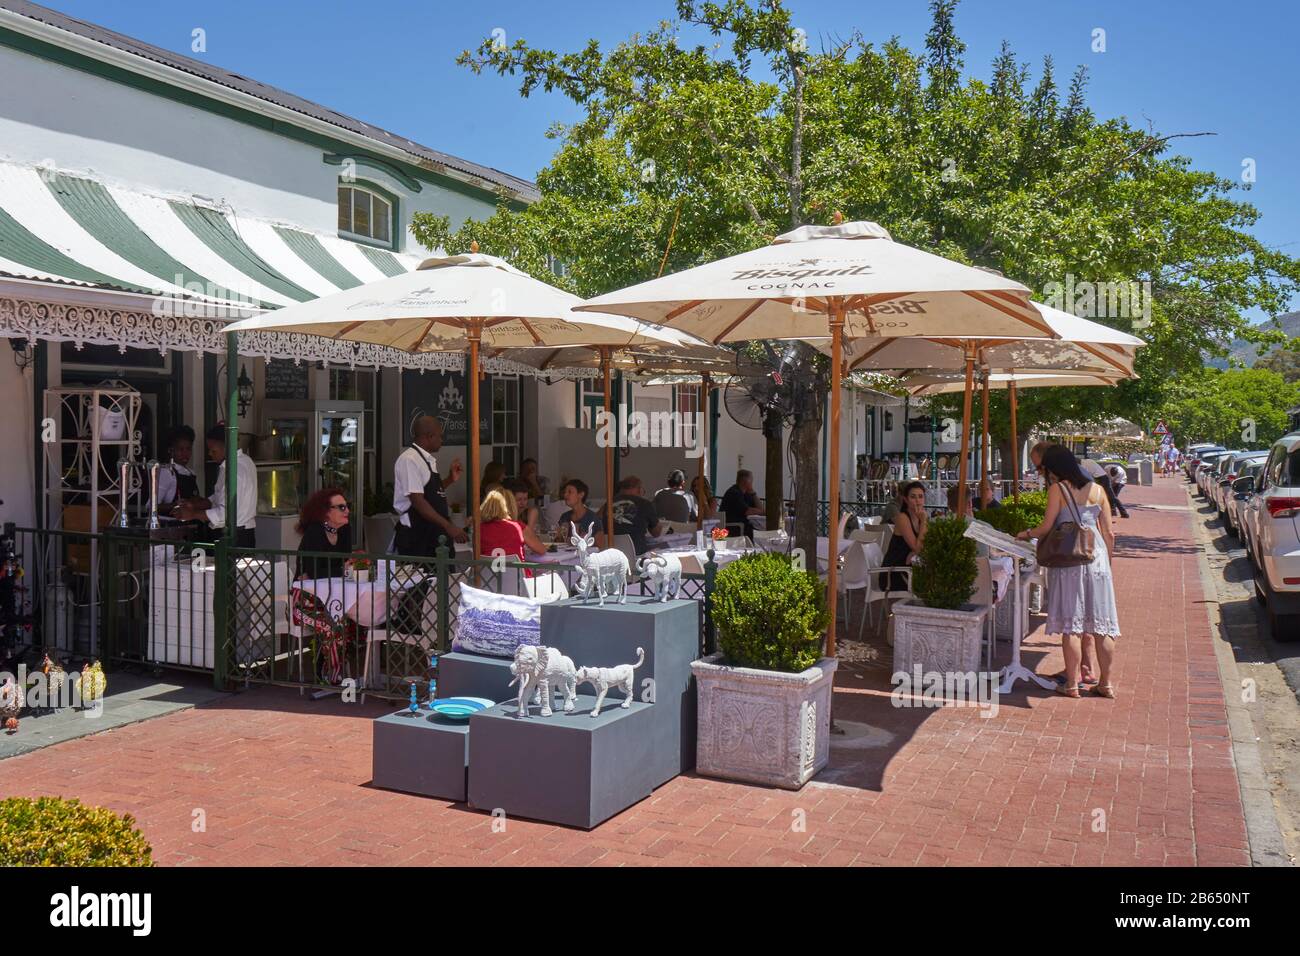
(1080, 598)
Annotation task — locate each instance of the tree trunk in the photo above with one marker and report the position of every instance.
(774, 479)
(804, 442)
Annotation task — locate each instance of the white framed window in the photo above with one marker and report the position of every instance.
(364, 214)
(688, 403)
(505, 421)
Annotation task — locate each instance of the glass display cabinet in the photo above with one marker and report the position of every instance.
(281, 487)
(324, 438)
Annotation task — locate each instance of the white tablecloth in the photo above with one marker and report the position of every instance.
(366, 602)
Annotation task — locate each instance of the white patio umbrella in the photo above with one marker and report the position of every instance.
(846, 280)
(454, 304)
(919, 384)
(676, 353)
(1081, 347)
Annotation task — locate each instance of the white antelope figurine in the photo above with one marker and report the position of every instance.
(664, 572)
(606, 570)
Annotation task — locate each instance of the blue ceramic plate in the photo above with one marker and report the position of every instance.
(460, 708)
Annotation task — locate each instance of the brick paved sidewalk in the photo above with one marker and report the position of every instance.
(284, 780)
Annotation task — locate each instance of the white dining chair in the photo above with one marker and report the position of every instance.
(881, 590)
(855, 575)
(552, 512)
(382, 634)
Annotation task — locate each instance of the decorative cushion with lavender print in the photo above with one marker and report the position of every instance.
(495, 624)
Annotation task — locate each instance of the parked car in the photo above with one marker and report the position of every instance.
(1225, 473)
(1204, 467)
(1238, 495)
(1193, 457)
(1274, 518)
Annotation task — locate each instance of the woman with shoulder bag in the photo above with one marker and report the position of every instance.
(1075, 544)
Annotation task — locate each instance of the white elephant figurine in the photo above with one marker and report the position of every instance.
(542, 669)
(664, 572)
(606, 570)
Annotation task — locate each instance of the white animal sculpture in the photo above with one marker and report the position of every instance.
(606, 570)
(664, 572)
(604, 678)
(541, 669)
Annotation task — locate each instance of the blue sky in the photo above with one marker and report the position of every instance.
(1182, 65)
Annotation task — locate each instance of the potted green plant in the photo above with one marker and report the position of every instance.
(379, 518)
(938, 629)
(765, 697)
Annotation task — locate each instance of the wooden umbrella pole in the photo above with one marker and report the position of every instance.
(475, 331)
(965, 433)
(1015, 444)
(609, 451)
(833, 436)
(701, 438)
(986, 455)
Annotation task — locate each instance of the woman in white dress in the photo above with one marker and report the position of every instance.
(1080, 599)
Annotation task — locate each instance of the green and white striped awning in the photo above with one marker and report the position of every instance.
(171, 271)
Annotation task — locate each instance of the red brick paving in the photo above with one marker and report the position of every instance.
(284, 780)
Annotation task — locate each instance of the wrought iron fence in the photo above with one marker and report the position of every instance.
(264, 616)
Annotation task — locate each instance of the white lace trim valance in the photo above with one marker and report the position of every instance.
(81, 325)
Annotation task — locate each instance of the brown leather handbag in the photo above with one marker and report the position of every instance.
(1069, 543)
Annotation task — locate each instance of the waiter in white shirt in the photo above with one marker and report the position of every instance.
(419, 497)
(213, 510)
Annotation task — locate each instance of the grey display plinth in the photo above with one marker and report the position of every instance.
(473, 675)
(595, 636)
(570, 769)
(421, 753)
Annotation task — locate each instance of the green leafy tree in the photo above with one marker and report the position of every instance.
(1238, 408)
(717, 130)
(1284, 361)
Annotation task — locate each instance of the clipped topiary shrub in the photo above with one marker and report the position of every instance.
(768, 614)
(52, 831)
(944, 573)
(1016, 516)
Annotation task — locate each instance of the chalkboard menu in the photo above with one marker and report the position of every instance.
(284, 379)
(443, 395)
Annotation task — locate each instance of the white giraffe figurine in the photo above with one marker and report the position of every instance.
(606, 570)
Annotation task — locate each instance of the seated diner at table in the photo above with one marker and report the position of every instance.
(574, 492)
(499, 532)
(494, 476)
(910, 525)
(525, 514)
(707, 508)
(741, 502)
(324, 526)
(635, 515)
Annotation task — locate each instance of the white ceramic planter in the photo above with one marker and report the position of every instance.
(937, 640)
(761, 726)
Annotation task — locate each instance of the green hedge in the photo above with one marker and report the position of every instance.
(1016, 516)
(769, 614)
(944, 573)
(52, 831)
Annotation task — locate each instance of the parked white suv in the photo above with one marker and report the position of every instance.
(1274, 518)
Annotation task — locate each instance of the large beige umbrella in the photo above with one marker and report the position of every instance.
(919, 384)
(846, 280)
(454, 304)
(676, 353)
(1101, 354)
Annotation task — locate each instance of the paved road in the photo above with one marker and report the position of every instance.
(1243, 616)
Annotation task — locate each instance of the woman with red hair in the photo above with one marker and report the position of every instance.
(324, 527)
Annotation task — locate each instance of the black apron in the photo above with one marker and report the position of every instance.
(187, 486)
(420, 540)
